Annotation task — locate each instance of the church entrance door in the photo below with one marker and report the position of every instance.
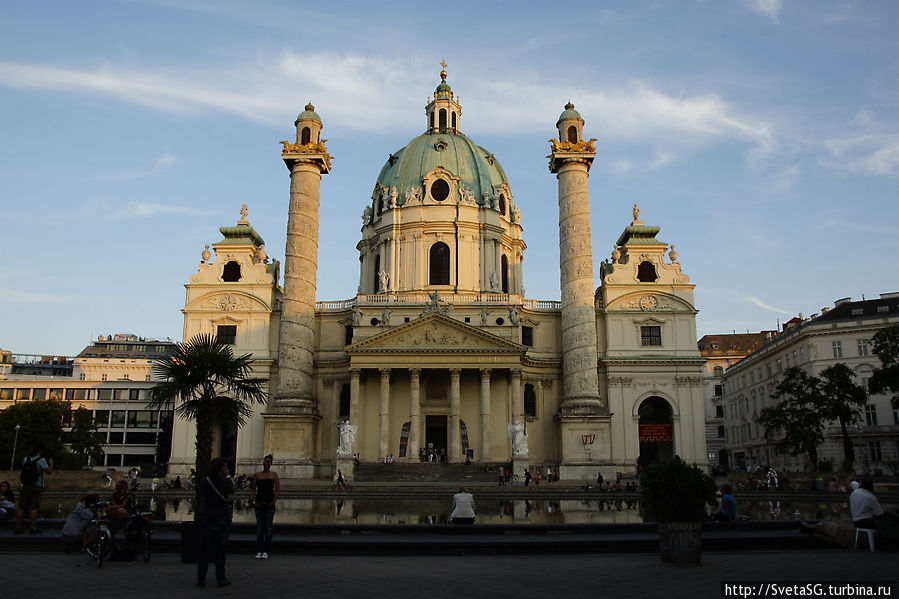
(656, 431)
(435, 434)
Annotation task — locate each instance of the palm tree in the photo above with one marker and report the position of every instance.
(206, 382)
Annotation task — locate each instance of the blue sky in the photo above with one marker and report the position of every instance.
(762, 136)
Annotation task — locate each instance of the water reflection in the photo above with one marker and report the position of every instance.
(493, 511)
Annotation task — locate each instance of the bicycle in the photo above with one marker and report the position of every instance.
(97, 537)
(138, 529)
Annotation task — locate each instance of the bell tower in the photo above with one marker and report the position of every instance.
(292, 418)
(584, 415)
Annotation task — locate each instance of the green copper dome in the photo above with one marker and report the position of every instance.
(569, 113)
(478, 168)
(309, 114)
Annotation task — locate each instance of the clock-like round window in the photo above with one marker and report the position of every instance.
(440, 190)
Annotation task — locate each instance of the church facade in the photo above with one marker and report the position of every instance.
(440, 352)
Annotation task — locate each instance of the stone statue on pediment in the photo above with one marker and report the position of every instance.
(383, 281)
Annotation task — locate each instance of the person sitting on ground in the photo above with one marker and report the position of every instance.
(120, 506)
(463, 507)
(73, 529)
(864, 506)
(7, 501)
(728, 511)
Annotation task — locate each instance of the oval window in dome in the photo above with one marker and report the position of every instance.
(440, 190)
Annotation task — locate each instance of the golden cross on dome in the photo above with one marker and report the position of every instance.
(443, 63)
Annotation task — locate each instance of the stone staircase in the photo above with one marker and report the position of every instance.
(423, 472)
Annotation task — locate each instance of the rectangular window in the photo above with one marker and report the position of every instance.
(6, 393)
(134, 394)
(837, 349)
(140, 418)
(720, 432)
(719, 411)
(719, 390)
(871, 414)
(862, 347)
(38, 394)
(118, 419)
(876, 454)
(116, 438)
(527, 336)
(56, 393)
(114, 459)
(101, 418)
(768, 370)
(347, 335)
(883, 308)
(895, 415)
(104, 394)
(76, 394)
(103, 377)
(140, 438)
(650, 335)
(227, 333)
(120, 394)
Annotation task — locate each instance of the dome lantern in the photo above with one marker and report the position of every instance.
(444, 112)
(570, 125)
(309, 126)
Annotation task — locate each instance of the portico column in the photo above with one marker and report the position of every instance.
(454, 450)
(517, 407)
(485, 415)
(354, 397)
(414, 418)
(384, 419)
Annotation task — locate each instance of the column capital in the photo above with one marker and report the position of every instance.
(515, 372)
(485, 373)
(385, 372)
(355, 372)
(455, 372)
(415, 373)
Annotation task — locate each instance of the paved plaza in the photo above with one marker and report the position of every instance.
(50, 575)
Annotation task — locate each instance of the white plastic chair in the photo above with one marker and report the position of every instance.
(870, 531)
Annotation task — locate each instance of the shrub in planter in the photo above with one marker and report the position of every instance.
(675, 495)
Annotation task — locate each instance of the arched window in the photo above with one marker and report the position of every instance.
(530, 401)
(440, 264)
(442, 119)
(504, 261)
(502, 204)
(572, 134)
(344, 408)
(375, 278)
(305, 135)
(231, 272)
(454, 120)
(646, 272)
(432, 120)
(380, 206)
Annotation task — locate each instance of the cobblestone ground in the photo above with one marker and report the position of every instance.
(48, 575)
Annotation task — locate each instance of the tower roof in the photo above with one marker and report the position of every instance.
(309, 114)
(569, 113)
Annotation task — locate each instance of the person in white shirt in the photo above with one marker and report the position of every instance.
(864, 506)
(463, 507)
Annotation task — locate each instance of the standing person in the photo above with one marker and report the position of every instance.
(120, 506)
(341, 481)
(214, 518)
(266, 490)
(33, 469)
(463, 507)
(527, 478)
(502, 476)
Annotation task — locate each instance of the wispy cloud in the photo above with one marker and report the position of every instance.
(269, 89)
(161, 164)
(769, 8)
(146, 210)
(870, 149)
(841, 223)
(763, 305)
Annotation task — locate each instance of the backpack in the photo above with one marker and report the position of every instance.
(30, 471)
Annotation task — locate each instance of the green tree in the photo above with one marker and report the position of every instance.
(886, 378)
(843, 399)
(40, 425)
(84, 440)
(205, 382)
(798, 417)
(164, 439)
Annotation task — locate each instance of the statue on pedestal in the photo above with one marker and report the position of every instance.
(347, 438)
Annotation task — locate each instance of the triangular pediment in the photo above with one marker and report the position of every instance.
(436, 333)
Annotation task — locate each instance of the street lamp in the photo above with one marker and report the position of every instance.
(15, 442)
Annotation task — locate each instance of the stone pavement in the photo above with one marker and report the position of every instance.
(52, 575)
